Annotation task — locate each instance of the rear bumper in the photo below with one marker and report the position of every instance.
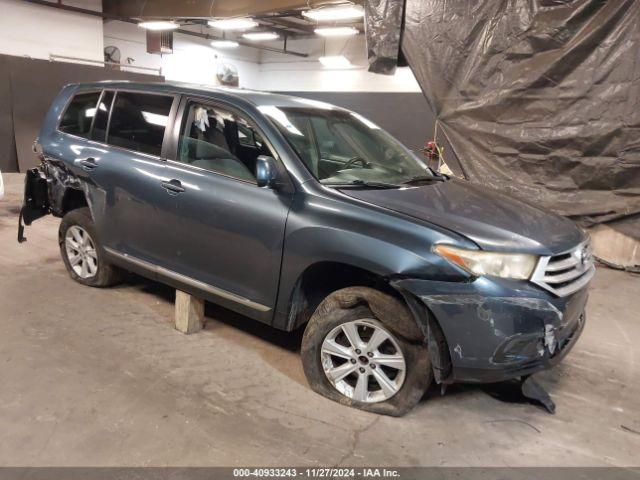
(35, 201)
(499, 329)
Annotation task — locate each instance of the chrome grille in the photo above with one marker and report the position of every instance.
(565, 273)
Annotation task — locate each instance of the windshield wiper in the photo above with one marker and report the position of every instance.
(437, 177)
(362, 183)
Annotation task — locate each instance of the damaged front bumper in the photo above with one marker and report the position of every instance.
(498, 329)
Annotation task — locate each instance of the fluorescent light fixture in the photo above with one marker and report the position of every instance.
(155, 119)
(315, 103)
(224, 44)
(159, 25)
(233, 23)
(336, 31)
(91, 112)
(366, 121)
(279, 116)
(260, 36)
(342, 12)
(338, 61)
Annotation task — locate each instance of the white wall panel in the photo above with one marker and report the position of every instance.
(193, 60)
(285, 73)
(38, 32)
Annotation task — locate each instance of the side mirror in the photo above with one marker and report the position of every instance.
(266, 171)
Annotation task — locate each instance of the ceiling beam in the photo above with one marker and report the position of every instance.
(307, 29)
(206, 8)
(271, 26)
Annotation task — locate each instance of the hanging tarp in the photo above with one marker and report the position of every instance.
(383, 27)
(539, 98)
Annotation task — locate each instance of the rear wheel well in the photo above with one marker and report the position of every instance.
(321, 279)
(72, 200)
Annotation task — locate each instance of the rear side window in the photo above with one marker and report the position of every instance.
(79, 114)
(138, 121)
(102, 117)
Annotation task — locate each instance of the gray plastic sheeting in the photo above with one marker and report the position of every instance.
(384, 19)
(538, 98)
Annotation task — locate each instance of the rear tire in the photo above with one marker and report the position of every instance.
(82, 253)
(387, 371)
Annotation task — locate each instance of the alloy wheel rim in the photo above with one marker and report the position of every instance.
(81, 252)
(363, 361)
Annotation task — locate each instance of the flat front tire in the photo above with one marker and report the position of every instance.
(362, 348)
(82, 253)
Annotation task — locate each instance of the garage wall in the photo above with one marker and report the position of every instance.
(393, 102)
(36, 31)
(283, 73)
(405, 115)
(193, 59)
(27, 89)
(8, 156)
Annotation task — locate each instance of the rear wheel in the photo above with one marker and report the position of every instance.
(362, 348)
(82, 253)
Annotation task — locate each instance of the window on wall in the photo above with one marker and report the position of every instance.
(102, 117)
(138, 122)
(220, 141)
(79, 114)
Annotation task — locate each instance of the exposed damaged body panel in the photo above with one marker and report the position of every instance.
(498, 329)
(64, 188)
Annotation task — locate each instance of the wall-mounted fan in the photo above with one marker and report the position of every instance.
(111, 54)
(227, 74)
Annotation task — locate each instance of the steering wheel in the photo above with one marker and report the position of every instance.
(355, 160)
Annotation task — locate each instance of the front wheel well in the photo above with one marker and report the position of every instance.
(321, 279)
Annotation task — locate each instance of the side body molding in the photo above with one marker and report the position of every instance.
(165, 273)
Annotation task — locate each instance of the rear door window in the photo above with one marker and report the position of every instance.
(138, 122)
(78, 116)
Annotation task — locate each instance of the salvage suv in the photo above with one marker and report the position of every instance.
(297, 213)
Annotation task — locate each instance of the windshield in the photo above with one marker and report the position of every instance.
(343, 148)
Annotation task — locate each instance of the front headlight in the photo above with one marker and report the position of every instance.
(479, 262)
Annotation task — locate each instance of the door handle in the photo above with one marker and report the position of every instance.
(88, 164)
(173, 186)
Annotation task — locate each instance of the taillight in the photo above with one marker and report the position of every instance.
(37, 149)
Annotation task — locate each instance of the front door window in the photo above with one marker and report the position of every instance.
(220, 141)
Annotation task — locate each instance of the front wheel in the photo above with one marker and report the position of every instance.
(362, 348)
(82, 253)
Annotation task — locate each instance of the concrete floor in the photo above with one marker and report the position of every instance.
(99, 377)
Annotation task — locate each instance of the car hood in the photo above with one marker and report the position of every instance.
(492, 220)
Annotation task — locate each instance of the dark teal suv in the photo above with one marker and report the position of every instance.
(298, 213)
